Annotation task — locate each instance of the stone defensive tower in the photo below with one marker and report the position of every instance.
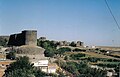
(30, 37)
(27, 37)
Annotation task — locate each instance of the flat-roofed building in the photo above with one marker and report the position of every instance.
(45, 66)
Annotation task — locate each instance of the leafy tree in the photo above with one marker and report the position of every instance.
(61, 75)
(49, 53)
(61, 51)
(77, 56)
(82, 69)
(20, 73)
(117, 70)
(49, 46)
(73, 44)
(21, 68)
(38, 73)
(3, 42)
(46, 44)
(86, 71)
(97, 49)
(71, 68)
(66, 58)
(103, 51)
(61, 63)
(77, 50)
(93, 59)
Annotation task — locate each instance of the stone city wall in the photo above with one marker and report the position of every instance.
(27, 37)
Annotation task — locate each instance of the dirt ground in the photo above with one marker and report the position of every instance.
(1, 72)
(3, 66)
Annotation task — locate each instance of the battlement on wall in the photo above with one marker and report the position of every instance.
(27, 37)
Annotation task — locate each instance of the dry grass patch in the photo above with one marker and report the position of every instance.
(91, 54)
(97, 55)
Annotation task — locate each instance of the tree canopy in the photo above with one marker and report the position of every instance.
(3, 42)
(23, 68)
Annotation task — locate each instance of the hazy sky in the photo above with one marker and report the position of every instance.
(85, 20)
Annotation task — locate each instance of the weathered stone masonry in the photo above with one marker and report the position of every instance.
(27, 37)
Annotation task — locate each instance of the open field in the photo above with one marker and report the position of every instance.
(109, 48)
(92, 54)
(115, 54)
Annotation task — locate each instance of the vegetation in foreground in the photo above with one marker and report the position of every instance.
(73, 63)
(23, 68)
(89, 56)
(81, 69)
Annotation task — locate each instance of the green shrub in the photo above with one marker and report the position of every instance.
(11, 55)
(77, 50)
(77, 56)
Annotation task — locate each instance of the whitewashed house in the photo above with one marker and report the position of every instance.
(45, 66)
